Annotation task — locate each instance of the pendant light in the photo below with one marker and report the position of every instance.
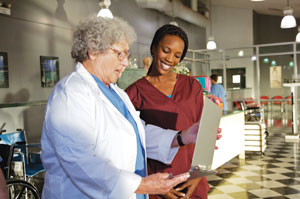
(211, 44)
(298, 35)
(288, 20)
(174, 23)
(104, 11)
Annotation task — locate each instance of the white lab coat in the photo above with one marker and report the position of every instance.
(89, 148)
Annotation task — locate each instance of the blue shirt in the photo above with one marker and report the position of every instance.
(140, 165)
(219, 91)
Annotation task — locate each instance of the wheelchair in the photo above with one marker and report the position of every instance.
(12, 148)
(31, 162)
(19, 189)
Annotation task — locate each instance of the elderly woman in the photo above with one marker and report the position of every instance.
(93, 141)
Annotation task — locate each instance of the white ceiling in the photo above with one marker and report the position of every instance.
(269, 7)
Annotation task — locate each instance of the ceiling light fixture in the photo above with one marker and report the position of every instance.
(241, 53)
(104, 11)
(288, 20)
(298, 35)
(266, 60)
(174, 23)
(211, 44)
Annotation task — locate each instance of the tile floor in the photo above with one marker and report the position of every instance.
(275, 175)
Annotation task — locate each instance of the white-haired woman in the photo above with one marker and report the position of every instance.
(93, 141)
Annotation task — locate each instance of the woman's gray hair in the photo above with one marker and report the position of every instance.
(97, 34)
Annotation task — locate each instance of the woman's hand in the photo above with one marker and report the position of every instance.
(219, 130)
(160, 183)
(173, 194)
(188, 136)
(191, 185)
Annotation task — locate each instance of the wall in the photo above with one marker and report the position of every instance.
(238, 28)
(267, 30)
(233, 28)
(147, 21)
(39, 27)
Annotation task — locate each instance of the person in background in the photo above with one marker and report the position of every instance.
(218, 90)
(171, 101)
(147, 62)
(93, 140)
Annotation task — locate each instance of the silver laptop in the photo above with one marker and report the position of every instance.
(206, 140)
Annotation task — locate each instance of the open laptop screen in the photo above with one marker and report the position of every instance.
(207, 134)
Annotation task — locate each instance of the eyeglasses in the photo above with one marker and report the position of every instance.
(122, 55)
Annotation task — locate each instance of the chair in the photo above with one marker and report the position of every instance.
(16, 188)
(237, 105)
(31, 166)
(277, 100)
(250, 102)
(288, 101)
(264, 101)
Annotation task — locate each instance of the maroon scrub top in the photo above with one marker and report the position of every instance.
(179, 112)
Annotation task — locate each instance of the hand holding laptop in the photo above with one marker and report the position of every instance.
(219, 130)
(189, 136)
(205, 139)
(160, 183)
(204, 134)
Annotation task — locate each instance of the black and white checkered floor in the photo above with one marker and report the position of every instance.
(274, 175)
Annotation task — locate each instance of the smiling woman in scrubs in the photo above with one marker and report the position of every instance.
(93, 141)
(173, 101)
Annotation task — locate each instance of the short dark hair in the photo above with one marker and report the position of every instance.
(169, 29)
(214, 77)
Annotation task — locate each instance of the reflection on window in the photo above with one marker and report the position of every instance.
(220, 80)
(3, 70)
(49, 70)
(236, 79)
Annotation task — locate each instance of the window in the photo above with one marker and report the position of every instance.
(235, 77)
(220, 80)
(49, 70)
